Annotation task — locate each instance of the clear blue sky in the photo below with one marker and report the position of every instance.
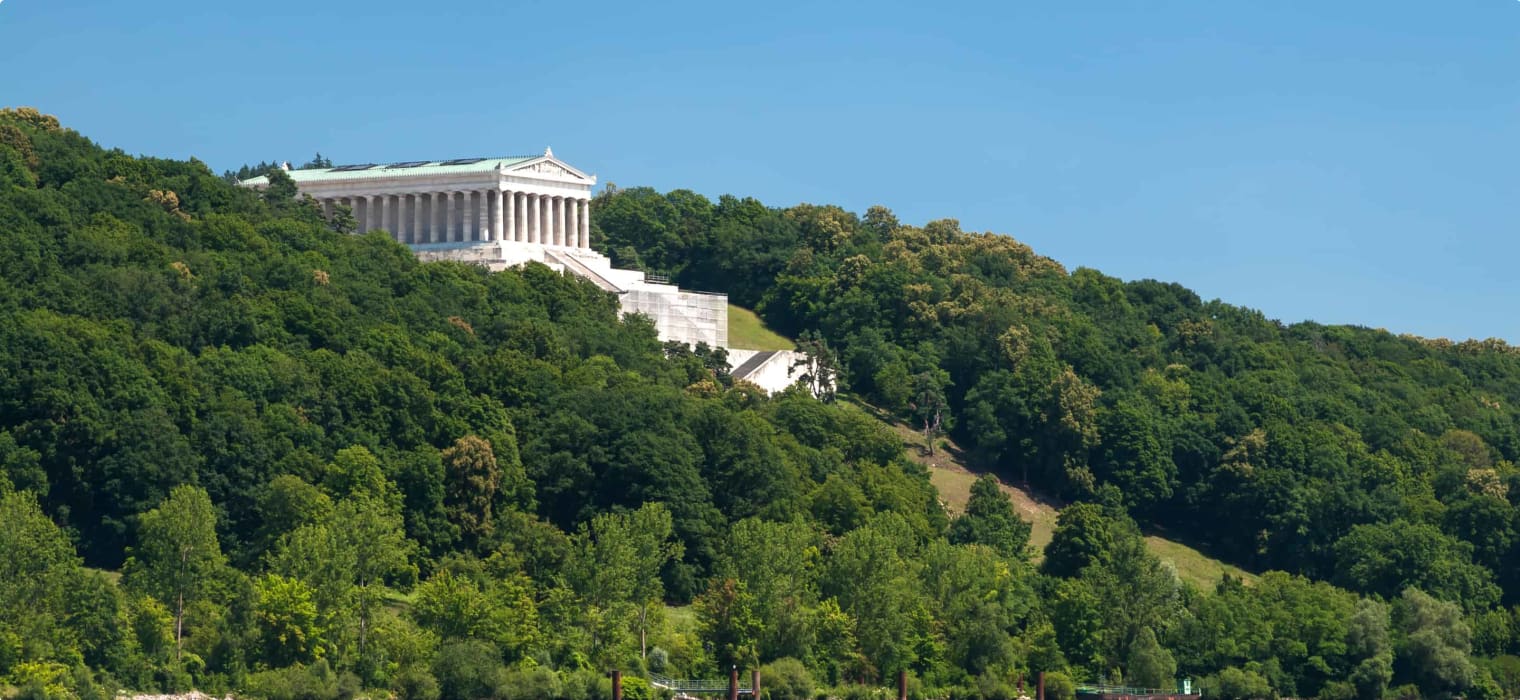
(1346, 161)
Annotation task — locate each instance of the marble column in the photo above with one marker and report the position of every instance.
(564, 221)
(555, 214)
(496, 218)
(327, 208)
(573, 221)
(398, 216)
(585, 222)
(385, 209)
(509, 222)
(467, 216)
(558, 223)
(462, 208)
(482, 216)
(532, 206)
(545, 222)
(522, 217)
(418, 235)
(568, 217)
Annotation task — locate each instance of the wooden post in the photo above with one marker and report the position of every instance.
(754, 684)
(902, 685)
(617, 684)
(1041, 695)
(733, 683)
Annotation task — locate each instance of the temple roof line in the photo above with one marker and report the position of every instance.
(455, 166)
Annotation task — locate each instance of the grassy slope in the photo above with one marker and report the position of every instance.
(747, 331)
(953, 479)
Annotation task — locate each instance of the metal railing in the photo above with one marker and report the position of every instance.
(681, 685)
(1106, 689)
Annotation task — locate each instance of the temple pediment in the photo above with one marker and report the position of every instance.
(551, 167)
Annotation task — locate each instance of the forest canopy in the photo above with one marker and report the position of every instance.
(242, 450)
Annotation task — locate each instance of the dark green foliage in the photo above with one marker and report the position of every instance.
(787, 679)
(991, 520)
(468, 669)
(1236, 684)
(391, 455)
(313, 682)
(1083, 536)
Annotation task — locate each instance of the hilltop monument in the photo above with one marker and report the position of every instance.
(503, 212)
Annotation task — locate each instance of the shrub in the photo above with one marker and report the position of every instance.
(786, 679)
(659, 659)
(1236, 684)
(585, 684)
(413, 683)
(635, 688)
(312, 682)
(1059, 686)
(536, 683)
(468, 669)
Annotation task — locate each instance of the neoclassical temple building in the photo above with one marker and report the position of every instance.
(501, 212)
(462, 203)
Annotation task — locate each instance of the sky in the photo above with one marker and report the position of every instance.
(1342, 162)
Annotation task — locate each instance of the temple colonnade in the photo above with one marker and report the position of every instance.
(464, 216)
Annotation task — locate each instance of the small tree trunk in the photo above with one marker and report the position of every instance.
(643, 630)
(179, 625)
(363, 616)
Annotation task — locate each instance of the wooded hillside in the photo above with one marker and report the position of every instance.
(243, 450)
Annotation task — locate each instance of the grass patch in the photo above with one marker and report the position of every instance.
(746, 331)
(1192, 565)
(953, 478)
(112, 576)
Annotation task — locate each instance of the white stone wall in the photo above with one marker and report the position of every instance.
(773, 374)
(687, 317)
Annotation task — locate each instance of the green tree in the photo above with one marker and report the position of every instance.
(1386, 558)
(37, 570)
(500, 611)
(473, 479)
(929, 405)
(1148, 664)
(778, 565)
(818, 366)
(873, 574)
(727, 621)
(616, 567)
(349, 560)
(1237, 684)
(990, 519)
(286, 614)
(1370, 648)
(178, 557)
(1436, 643)
(1083, 536)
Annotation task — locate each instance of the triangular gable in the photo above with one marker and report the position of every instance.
(552, 167)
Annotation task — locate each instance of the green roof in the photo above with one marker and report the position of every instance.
(416, 167)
